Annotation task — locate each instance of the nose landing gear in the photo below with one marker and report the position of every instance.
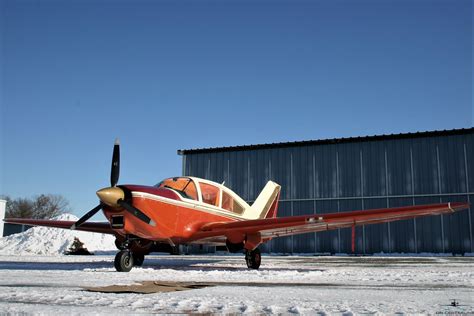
(132, 253)
(123, 261)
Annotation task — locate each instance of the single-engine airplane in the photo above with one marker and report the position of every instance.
(189, 210)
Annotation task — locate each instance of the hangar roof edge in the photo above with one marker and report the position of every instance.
(459, 131)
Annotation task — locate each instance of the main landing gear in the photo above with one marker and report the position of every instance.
(253, 258)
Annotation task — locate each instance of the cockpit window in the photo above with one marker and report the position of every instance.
(228, 203)
(184, 186)
(210, 194)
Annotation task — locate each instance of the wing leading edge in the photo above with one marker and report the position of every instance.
(103, 228)
(287, 226)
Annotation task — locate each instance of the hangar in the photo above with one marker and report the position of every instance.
(344, 174)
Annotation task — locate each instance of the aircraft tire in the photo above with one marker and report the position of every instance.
(253, 258)
(123, 261)
(138, 259)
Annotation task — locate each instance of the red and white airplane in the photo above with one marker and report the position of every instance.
(189, 210)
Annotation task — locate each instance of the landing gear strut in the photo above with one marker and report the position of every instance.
(253, 258)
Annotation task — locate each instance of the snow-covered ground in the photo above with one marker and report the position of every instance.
(283, 285)
(54, 241)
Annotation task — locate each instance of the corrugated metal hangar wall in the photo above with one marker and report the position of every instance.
(338, 175)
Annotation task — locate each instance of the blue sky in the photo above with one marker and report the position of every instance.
(168, 75)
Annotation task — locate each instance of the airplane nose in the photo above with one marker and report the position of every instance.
(110, 196)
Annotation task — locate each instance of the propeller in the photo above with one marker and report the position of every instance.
(114, 196)
(88, 215)
(115, 170)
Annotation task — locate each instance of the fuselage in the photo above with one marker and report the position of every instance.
(179, 207)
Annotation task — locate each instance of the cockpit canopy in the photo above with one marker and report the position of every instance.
(206, 192)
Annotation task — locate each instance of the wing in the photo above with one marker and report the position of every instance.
(286, 226)
(88, 226)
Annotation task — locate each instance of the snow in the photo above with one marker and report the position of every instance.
(53, 241)
(283, 285)
(37, 279)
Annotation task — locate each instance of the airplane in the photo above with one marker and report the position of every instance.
(187, 210)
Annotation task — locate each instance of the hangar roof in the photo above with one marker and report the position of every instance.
(367, 138)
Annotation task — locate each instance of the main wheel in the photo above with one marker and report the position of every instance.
(138, 259)
(253, 258)
(123, 261)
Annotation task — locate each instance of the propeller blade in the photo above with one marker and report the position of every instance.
(115, 170)
(136, 212)
(88, 215)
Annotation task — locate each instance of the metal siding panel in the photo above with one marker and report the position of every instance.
(217, 171)
(402, 233)
(428, 228)
(194, 164)
(200, 170)
(263, 169)
(245, 174)
(232, 174)
(212, 173)
(399, 167)
(303, 243)
(201, 162)
(190, 164)
(376, 235)
(206, 166)
(310, 171)
(281, 171)
(327, 241)
(259, 172)
(471, 211)
(283, 244)
(302, 180)
(469, 142)
(349, 170)
(185, 160)
(425, 166)
(268, 165)
(325, 172)
(235, 183)
(457, 238)
(346, 233)
(253, 174)
(266, 247)
(373, 167)
(226, 167)
(451, 160)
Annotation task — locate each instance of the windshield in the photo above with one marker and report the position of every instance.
(184, 186)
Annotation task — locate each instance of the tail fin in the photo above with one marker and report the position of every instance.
(266, 204)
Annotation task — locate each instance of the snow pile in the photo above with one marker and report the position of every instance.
(53, 241)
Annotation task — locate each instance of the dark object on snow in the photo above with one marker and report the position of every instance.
(77, 248)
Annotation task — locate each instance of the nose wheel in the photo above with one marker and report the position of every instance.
(253, 258)
(123, 261)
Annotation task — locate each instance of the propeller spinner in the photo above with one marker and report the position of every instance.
(114, 196)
